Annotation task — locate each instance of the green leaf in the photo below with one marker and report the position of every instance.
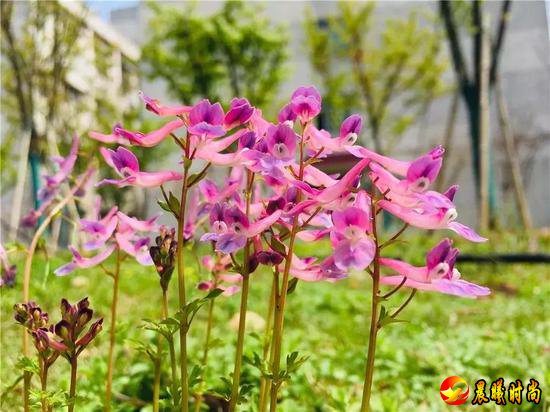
(278, 246)
(292, 285)
(28, 365)
(173, 203)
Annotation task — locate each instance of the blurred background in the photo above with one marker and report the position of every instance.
(473, 76)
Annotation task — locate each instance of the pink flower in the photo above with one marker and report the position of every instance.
(126, 165)
(206, 120)
(231, 228)
(99, 231)
(112, 138)
(153, 105)
(321, 140)
(134, 224)
(137, 247)
(433, 211)
(80, 262)
(331, 193)
(286, 115)
(424, 168)
(65, 167)
(152, 138)
(353, 247)
(438, 275)
(306, 103)
(240, 112)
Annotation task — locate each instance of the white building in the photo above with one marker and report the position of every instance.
(525, 71)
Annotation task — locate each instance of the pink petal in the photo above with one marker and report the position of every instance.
(261, 225)
(155, 137)
(466, 232)
(139, 225)
(155, 179)
(403, 268)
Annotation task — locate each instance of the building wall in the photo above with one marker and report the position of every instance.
(92, 78)
(525, 70)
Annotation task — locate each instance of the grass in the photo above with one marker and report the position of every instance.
(505, 335)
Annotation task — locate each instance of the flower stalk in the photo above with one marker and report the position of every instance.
(281, 298)
(244, 304)
(181, 280)
(112, 332)
(267, 342)
(28, 266)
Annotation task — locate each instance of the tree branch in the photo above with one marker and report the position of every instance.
(446, 13)
(499, 40)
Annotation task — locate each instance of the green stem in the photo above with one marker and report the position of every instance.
(281, 299)
(181, 287)
(206, 347)
(156, 384)
(44, 383)
(244, 303)
(172, 350)
(369, 368)
(72, 390)
(112, 331)
(263, 380)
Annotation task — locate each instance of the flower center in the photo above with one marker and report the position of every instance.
(420, 184)
(351, 138)
(353, 233)
(219, 227)
(237, 227)
(450, 215)
(281, 150)
(440, 270)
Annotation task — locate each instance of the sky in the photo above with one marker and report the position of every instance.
(103, 7)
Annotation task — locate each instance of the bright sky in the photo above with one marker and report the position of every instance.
(103, 7)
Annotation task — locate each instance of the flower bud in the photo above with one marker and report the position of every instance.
(164, 255)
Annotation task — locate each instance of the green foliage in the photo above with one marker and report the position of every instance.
(505, 334)
(394, 75)
(234, 52)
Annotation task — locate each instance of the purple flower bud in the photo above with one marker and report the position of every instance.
(306, 103)
(274, 205)
(286, 115)
(239, 113)
(350, 128)
(247, 140)
(253, 263)
(270, 258)
(164, 255)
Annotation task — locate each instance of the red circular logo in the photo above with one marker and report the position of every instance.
(454, 390)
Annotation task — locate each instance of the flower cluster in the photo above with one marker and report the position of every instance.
(289, 186)
(163, 255)
(273, 196)
(52, 184)
(114, 230)
(65, 337)
(9, 271)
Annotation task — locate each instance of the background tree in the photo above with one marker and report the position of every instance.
(234, 52)
(394, 75)
(467, 18)
(40, 46)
